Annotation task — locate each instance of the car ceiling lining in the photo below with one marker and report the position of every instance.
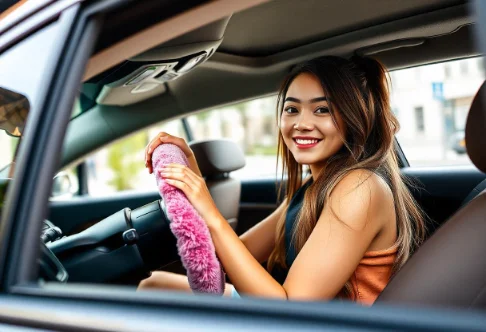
(163, 31)
(394, 35)
(387, 41)
(277, 26)
(447, 34)
(428, 25)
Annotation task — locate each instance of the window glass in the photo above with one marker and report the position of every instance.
(8, 145)
(252, 125)
(432, 102)
(120, 166)
(19, 93)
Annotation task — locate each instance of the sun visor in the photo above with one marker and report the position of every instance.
(144, 76)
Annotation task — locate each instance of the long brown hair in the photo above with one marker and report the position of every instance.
(359, 90)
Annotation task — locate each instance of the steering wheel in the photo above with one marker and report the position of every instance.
(50, 268)
(127, 243)
(134, 242)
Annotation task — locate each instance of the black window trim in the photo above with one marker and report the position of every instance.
(37, 162)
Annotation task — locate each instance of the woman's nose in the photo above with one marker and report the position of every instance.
(303, 122)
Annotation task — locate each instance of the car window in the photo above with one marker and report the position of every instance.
(432, 103)
(8, 147)
(13, 115)
(19, 92)
(252, 125)
(119, 167)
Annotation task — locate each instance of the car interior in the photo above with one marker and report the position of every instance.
(131, 84)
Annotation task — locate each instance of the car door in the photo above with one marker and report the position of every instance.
(49, 80)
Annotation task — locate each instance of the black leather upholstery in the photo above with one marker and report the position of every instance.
(450, 268)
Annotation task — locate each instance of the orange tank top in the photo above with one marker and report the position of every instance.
(372, 275)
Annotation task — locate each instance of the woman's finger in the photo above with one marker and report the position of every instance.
(179, 185)
(179, 142)
(155, 142)
(179, 177)
(184, 169)
(180, 174)
(150, 149)
(181, 168)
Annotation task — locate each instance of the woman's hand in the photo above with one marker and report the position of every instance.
(164, 137)
(195, 189)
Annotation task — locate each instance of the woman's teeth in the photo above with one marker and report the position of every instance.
(306, 141)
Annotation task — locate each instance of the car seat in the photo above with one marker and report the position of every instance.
(216, 159)
(449, 269)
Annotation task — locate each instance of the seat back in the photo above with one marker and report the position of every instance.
(450, 267)
(216, 159)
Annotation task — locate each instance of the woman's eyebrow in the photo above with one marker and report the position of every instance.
(314, 100)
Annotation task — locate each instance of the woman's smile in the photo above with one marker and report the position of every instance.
(305, 142)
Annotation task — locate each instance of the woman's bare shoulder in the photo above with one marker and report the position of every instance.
(362, 180)
(358, 198)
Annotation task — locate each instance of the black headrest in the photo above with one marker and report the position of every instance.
(476, 129)
(216, 157)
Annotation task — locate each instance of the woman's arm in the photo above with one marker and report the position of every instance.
(346, 228)
(330, 255)
(260, 239)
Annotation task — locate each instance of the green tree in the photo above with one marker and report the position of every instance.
(123, 162)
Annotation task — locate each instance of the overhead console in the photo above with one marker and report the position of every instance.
(145, 75)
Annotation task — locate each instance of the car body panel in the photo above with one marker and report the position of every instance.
(116, 309)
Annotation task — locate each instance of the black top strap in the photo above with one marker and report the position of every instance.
(278, 272)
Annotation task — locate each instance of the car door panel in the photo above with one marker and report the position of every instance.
(258, 200)
(84, 308)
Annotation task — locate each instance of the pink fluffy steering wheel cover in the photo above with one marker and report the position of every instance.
(194, 242)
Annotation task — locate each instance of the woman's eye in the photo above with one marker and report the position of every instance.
(322, 110)
(290, 110)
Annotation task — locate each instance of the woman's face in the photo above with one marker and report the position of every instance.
(307, 127)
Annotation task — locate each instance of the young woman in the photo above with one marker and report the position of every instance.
(340, 232)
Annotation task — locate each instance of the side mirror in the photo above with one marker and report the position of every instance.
(64, 186)
(14, 109)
